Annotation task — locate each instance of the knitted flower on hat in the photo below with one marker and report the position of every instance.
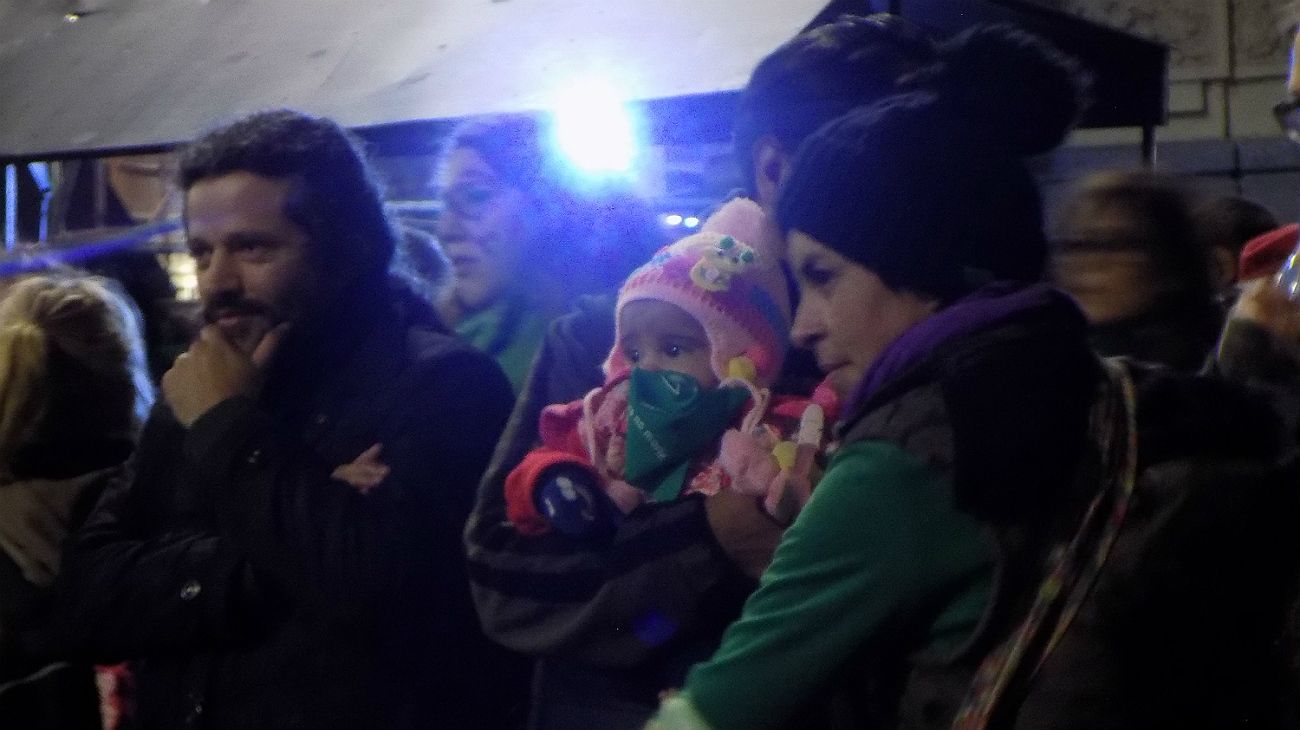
(728, 277)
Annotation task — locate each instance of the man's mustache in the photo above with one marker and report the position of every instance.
(234, 307)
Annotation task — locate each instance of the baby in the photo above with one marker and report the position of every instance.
(701, 333)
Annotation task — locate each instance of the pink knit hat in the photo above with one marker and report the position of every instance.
(728, 277)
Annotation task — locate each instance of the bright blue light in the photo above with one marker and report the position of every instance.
(673, 220)
(594, 129)
(691, 222)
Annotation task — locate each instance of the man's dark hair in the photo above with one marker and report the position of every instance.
(334, 196)
(822, 74)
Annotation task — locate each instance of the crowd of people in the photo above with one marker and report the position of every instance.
(872, 448)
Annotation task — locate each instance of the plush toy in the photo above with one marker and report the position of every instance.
(718, 264)
(781, 472)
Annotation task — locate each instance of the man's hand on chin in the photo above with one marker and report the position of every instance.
(214, 369)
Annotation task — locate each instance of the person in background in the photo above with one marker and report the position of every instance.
(525, 238)
(987, 457)
(1127, 250)
(1260, 343)
(285, 552)
(1226, 223)
(74, 391)
(420, 260)
(144, 280)
(136, 193)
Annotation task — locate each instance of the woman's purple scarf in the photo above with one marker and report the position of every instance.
(983, 308)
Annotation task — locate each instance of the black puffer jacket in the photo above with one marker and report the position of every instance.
(253, 590)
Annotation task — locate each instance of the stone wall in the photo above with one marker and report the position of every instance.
(1228, 61)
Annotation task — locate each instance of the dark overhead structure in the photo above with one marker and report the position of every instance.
(1130, 74)
(143, 74)
(131, 75)
(89, 78)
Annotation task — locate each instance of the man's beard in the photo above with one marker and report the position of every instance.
(243, 322)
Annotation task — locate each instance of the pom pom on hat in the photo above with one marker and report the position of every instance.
(728, 277)
(1020, 90)
(929, 189)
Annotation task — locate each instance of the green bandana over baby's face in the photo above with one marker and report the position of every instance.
(670, 420)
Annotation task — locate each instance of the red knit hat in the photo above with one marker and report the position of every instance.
(729, 278)
(1265, 254)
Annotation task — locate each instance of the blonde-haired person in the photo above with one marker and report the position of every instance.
(74, 389)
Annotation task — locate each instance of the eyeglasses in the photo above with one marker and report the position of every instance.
(1288, 117)
(471, 199)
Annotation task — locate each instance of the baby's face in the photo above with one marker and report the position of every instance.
(656, 335)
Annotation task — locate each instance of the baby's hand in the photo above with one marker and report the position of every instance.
(748, 462)
(365, 472)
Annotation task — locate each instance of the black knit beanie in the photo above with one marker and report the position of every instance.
(929, 188)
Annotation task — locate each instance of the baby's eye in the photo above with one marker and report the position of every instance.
(681, 348)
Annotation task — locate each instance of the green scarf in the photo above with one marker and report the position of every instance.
(511, 333)
(670, 420)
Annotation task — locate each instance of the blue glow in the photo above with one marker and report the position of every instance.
(673, 220)
(594, 129)
(691, 222)
(654, 628)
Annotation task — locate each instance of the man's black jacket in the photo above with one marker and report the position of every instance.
(253, 590)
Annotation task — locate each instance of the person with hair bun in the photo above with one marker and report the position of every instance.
(74, 391)
(985, 452)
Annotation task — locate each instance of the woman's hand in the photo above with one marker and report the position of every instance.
(746, 533)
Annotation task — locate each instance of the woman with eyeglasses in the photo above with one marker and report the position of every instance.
(524, 238)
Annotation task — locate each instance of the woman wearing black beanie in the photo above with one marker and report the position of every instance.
(987, 457)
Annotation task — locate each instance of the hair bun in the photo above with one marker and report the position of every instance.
(1017, 87)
